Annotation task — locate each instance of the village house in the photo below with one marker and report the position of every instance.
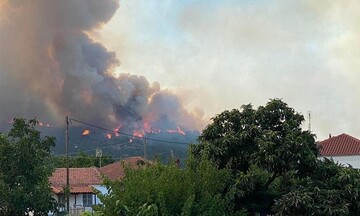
(343, 149)
(84, 181)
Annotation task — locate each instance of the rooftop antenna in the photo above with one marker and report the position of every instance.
(99, 155)
(309, 115)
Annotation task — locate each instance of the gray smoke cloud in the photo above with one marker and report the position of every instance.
(50, 67)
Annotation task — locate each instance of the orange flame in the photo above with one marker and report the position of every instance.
(139, 133)
(108, 135)
(117, 130)
(86, 132)
(148, 129)
(177, 130)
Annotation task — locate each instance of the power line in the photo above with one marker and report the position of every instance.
(152, 155)
(126, 134)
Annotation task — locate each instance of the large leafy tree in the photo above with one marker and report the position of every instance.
(262, 147)
(24, 170)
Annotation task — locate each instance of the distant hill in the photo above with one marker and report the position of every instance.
(159, 143)
(163, 144)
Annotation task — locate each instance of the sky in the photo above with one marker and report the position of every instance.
(179, 63)
(222, 54)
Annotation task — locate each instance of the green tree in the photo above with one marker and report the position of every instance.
(261, 147)
(330, 190)
(24, 170)
(159, 189)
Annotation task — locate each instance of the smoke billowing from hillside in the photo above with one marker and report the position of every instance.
(50, 67)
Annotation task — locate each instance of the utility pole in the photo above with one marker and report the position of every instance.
(145, 152)
(67, 162)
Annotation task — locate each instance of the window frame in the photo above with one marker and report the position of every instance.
(87, 200)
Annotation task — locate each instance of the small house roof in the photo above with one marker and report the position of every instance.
(341, 145)
(82, 180)
(116, 170)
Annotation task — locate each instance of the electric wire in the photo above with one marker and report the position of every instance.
(126, 134)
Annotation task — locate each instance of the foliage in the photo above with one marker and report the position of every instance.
(24, 170)
(331, 190)
(87, 213)
(82, 160)
(248, 162)
(260, 147)
(158, 189)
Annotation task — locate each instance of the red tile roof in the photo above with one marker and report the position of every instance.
(341, 145)
(74, 189)
(116, 170)
(81, 179)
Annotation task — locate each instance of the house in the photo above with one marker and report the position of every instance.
(83, 181)
(343, 149)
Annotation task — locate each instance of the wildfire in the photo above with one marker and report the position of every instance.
(177, 130)
(139, 133)
(117, 130)
(109, 135)
(85, 132)
(147, 127)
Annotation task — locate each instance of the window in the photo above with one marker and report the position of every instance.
(87, 200)
(61, 199)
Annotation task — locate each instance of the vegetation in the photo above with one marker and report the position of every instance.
(274, 163)
(248, 161)
(82, 160)
(158, 189)
(330, 190)
(24, 170)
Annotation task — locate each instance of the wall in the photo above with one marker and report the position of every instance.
(79, 198)
(353, 160)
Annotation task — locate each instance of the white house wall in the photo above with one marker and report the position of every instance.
(354, 160)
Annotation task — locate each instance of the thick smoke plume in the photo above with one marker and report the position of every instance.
(50, 67)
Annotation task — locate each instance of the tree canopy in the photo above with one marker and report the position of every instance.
(24, 170)
(275, 163)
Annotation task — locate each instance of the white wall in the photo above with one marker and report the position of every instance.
(79, 198)
(353, 160)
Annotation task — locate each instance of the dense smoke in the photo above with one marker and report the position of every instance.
(50, 67)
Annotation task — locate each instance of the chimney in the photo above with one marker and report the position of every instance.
(329, 135)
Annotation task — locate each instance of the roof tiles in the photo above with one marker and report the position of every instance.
(341, 145)
(82, 179)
